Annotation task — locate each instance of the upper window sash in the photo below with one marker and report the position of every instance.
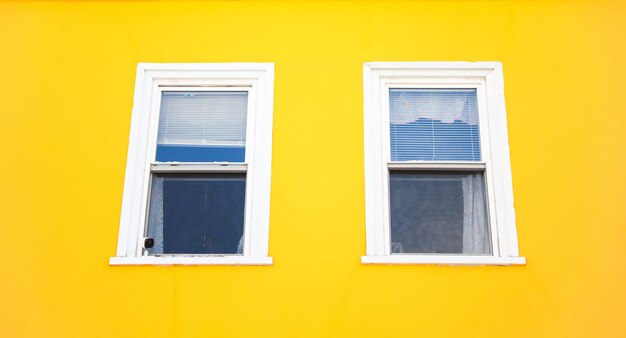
(388, 84)
(207, 86)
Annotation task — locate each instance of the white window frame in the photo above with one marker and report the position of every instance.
(153, 78)
(487, 79)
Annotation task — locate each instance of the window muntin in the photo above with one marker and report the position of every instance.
(215, 121)
(467, 137)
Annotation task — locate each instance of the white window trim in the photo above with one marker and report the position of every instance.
(487, 78)
(258, 80)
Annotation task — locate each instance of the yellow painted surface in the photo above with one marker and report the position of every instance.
(67, 80)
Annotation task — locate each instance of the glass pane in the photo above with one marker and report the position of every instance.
(202, 127)
(434, 125)
(438, 213)
(197, 213)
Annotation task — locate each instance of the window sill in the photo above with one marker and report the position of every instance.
(181, 260)
(442, 260)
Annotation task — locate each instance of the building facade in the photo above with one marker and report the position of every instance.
(69, 77)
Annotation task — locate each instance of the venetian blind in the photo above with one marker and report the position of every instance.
(434, 125)
(203, 118)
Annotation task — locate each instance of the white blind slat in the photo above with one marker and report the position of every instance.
(203, 118)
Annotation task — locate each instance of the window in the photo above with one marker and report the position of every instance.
(437, 169)
(198, 171)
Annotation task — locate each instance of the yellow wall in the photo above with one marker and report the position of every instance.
(67, 77)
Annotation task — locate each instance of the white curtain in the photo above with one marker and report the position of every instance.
(155, 215)
(475, 229)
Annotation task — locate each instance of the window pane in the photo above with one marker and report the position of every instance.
(438, 213)
(434, 125)
(202, 127)
(197, 213)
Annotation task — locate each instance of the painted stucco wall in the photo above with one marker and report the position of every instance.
(67, 79)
